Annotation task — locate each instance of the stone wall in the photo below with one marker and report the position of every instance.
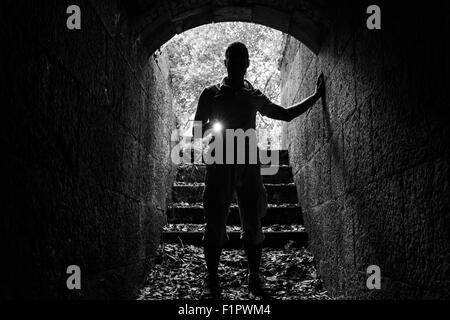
(85, 150)
(371, 162)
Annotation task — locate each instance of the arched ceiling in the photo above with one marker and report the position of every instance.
(156, 22)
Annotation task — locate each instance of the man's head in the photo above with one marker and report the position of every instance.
(236, 60)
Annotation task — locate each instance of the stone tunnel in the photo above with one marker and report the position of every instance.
(86, 168)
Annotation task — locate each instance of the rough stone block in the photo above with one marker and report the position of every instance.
(342, 100)
(351, 154)
(315, 134)
(369, 68)
(278, 19)
(337, 169)
(232, 14)
(379, 225)
(425, 238)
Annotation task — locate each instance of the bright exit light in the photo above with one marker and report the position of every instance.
(217, 127)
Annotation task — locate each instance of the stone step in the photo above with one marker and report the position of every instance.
(190, 173)
(273, 239)
(283, 156)
(276, 214)
(282, 159)
(193, 193)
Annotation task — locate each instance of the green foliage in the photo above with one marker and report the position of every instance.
(196, 61)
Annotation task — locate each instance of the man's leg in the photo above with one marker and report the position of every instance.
(252, 199)
(254, 254)
(216, 201)
(212, 258)
(253, 238)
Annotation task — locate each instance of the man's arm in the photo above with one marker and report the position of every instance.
(288, 114)
(202, 114)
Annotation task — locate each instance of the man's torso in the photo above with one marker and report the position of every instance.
(233, 108)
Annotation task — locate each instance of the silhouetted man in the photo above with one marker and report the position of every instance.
(234, 104)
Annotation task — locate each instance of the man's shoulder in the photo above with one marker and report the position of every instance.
(212, 89)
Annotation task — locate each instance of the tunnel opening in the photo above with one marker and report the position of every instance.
(196, 62)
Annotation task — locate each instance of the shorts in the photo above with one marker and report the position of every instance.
(222, 180)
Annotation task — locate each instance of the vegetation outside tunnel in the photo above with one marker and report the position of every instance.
(196, 61)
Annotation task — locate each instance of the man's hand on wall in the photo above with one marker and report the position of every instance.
(320, 87)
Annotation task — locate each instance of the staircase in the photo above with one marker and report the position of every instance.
(281, 225)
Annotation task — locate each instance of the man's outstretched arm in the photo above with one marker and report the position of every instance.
(288, 114)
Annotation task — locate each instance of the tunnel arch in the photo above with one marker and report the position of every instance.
(155, 24)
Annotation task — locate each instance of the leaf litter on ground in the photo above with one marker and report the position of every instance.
(190, 227)
(179, 272)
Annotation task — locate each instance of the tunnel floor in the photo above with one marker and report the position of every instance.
(287, 266)
(179, 271)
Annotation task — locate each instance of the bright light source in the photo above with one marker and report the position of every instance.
(217, 127)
